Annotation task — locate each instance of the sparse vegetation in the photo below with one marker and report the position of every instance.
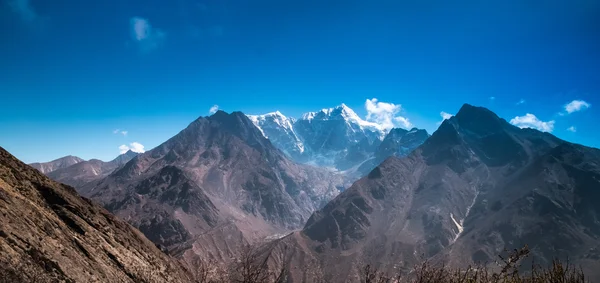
(510, 271)
(252, 266)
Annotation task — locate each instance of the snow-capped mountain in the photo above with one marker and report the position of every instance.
(346, 114)
(337, 137)
(333, 137)
(280, 131)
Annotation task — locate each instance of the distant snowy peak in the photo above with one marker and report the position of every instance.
(274, 117)
(280, 130)
(343, 112)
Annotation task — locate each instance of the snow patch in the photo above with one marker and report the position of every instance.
(278, 120)
(458, 226)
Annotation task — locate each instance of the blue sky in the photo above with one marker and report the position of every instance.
(72, 72)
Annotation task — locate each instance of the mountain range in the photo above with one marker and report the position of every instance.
(218, 181)
(84, 171)
(336, 138)
(477, 186)
(63, 162)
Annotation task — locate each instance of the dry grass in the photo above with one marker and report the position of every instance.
(510, 271)
(253, 267)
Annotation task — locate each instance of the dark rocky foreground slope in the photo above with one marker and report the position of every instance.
(215, 186)
(48, 233)
(477, 186)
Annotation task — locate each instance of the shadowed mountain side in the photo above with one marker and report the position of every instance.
(218, 181)
(478, 185)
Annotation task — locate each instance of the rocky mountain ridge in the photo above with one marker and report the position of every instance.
(84, 172)
(214, 187)
(63, 162)
(477, 186)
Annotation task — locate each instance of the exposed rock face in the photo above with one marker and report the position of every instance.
(478, 185)
(63, 162)
(398, 142)
(48, 233)
(219, 181)
(337, 138)
(84, 172)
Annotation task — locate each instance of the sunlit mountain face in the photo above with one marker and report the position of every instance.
(152, 140)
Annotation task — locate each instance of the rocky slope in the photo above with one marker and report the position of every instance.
(84, 172)
(213, 187)
(48, 233)
(63, 162)
(478, 185)
(398, 142)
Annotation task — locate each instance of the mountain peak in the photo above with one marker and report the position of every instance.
(478, 119)
(342, 112)
(472, 111)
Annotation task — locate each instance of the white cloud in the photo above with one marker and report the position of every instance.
(134, 146)
(522, 101)
(404, 123)
(213, 109)
(576, 105)
(123, 148)
(384, 114)
(119, 131)
(492, 98)
(124, 133)
(531, 121)
(146, 37)
(572, 129)
(24, 9)
(445, 116)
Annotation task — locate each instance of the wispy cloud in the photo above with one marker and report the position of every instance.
(522, 101)
(145, 36)
(213, 109)
(119, 131)
(445, 116)
(572, 129)
(492, 98)
(403, 122)
(385, 114)
(576, 105)
(24, 9)
(531, 121)
(134, 146)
